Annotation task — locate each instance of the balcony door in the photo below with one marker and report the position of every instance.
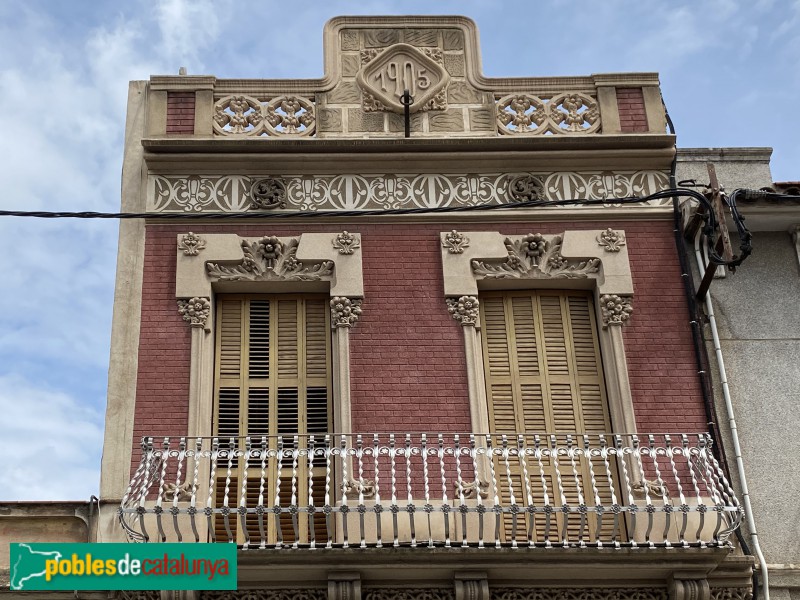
(544, 375)
(272, 379)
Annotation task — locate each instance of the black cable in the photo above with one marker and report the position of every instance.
(698, 336)
(710, 221)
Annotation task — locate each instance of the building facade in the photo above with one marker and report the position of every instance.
(352, 337)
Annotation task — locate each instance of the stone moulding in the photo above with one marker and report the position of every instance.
(309, 257)
(270, 259)
(572, 255)
(535, 257)
(231, 193)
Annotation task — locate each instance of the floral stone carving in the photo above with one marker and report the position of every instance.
(268, 193)
(269, 259)
(464, 309)
(569, 113)
(526, 188)
(455, 242)
(195, 311)
(615, 310)
(346, 243)
(191, 244)
(533, 257)
(284, 115)
(611, 241)
(344, 311)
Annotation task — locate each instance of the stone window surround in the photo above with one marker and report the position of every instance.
(612, 278)
(192, 282)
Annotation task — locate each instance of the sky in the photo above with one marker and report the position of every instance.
(729, 74)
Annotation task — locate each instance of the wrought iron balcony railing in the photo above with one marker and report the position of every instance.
(521, 490)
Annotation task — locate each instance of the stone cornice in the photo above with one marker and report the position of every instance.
(627, 142)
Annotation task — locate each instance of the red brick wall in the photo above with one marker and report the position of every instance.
(632, 115)
(180, 112)
(407, 353)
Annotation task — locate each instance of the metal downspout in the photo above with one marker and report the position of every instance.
(726, 393)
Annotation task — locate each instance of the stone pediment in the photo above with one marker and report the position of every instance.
(369, 61)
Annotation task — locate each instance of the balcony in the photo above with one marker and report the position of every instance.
(432, 490)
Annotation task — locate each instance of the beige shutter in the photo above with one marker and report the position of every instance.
(272, 378)
(544, 375)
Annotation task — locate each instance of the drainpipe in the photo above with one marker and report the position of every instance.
(726, 393)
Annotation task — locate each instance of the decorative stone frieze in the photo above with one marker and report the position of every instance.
(247, 116)
(455, 242)
(610, 240)
(568, 113)
(465, 309)
(534, 257)
(525, 188)
(269, 192)
(269, 259)
(387, 74)
(345, 311)
(615, 310)
(191, 244)
(232, 193)
(195, 311)
(426, 593)
(561, 593)
(262, 594)
(346, 243)
(731, 593)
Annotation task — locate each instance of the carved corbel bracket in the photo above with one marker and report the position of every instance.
(195, 311)
(344, 311)
(344, 586)
(471, 585)
(615, 310)
(689, 587)
(464, 310)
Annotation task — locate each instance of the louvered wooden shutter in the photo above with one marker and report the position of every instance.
(544, 375)
(272, 378)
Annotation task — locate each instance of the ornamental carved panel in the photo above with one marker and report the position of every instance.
(232, 193)
(398, 68)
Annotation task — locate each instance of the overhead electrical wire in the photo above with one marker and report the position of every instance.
(709, 228)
